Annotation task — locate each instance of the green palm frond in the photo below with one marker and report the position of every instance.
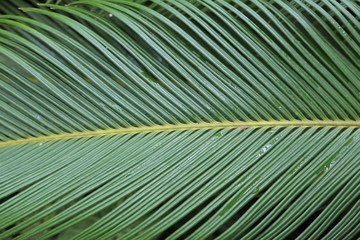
(174, 119)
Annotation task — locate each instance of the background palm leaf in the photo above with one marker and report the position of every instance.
(180, 119)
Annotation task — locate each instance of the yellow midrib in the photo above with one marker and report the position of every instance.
(189, 126)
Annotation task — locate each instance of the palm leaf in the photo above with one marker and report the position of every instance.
(170, 119)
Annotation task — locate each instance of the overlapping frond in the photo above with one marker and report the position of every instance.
(174, 119)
